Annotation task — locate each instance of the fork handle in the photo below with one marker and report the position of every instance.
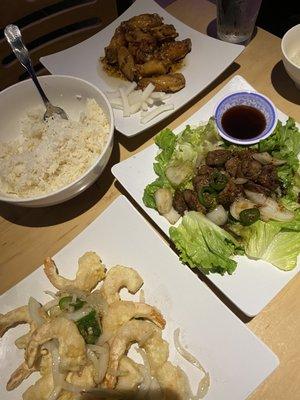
(14, 38)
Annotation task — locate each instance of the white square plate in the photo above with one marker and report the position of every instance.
(254, 283)
(235, 358)
(208, 59)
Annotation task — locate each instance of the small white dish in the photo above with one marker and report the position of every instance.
(207, 60)
(254, 283)
(236, 359)
(290, 47)
(70, 93)
(250, 99)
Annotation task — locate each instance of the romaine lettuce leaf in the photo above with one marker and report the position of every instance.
(204, 245)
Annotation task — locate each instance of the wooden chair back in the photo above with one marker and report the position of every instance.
(49, 26)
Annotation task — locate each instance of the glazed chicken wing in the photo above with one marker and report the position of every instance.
(152, 68)
(137, 35)
(116, 41)
(174, 51)
(164, 83)
(143, 21)
(164, 32)
(126, 63)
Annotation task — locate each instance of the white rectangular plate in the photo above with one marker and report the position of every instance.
(254, 283)
(208, 59)
(236, 359)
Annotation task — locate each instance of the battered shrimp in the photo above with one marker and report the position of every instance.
(13, 318)
(117, 278)
(19, 375)
(83, 378)
(90, 272)
(131, 332)
(173, 382)
(71, 344)
(121, 312)
(41, 390)
(130, 376)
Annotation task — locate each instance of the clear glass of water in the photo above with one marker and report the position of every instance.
(236, 19)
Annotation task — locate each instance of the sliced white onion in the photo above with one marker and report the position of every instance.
(52, 294)
(58, 378)
(240, 181)
(34, 309)
(97, 301)
(126, 109)
(172, 216)
(272, 210)
(266, 158)
(176, 174)
(153, 114)
(240, 205)
(218, 216)
(163, 200)
(78, 314)
(94, 360)
(146, 372)
(142, 296)
(50, 304)
(204, 383)
(255, 197)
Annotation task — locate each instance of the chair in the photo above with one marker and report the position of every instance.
(49, 26)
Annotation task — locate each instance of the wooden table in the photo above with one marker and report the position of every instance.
(28, 235)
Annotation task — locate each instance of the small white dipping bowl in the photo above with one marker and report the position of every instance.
(251, 99)
(290, 47)
(64, 91)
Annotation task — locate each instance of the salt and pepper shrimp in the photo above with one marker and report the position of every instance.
(135, 331)
(173, 382)
(71, 345)
(41, 390)
(16, 317)
(121, 312)
(119, 277)
(90, 272)
(19, 375)
(130, 376)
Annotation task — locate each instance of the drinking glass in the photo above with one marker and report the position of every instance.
(236, 19)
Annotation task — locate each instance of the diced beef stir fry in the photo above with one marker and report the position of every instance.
(235, 180)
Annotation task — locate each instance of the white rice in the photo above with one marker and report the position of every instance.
(50, 155)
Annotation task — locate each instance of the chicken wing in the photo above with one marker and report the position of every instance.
(164, 83)
(174, 51)
(143, 21)
(164, 32)
(137, 35)
(117, 40)
(152, 68)
(126, 63)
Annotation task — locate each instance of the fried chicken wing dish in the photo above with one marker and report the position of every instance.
(144, 46)
(78, 341)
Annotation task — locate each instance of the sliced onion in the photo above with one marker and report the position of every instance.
(58, 378)
(163, 200)
(50, 304)
(218, 216)
(76, 315)
(34, 309)
(240, 181)
(146, 372)
(70, 291)
(266, 158)
(204, 383)
(102, 361)
(97, 301)
(94, 360)
(257, 198)
(272, 210)
(52, 294)
(172, 216)
(240, 205)
(142, 296)
(176, 174)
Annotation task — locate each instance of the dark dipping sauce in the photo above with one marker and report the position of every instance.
(243, 122)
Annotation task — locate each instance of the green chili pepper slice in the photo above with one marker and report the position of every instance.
(206, 197)
(218, 181)
(249, 216)
(89, 327)
(65, 303)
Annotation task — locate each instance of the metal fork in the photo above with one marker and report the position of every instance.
(13, 36)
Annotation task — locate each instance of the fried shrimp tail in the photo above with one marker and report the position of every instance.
(19, 375)
(90, 272)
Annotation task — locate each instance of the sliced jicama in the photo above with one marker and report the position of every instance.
(160, 109)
